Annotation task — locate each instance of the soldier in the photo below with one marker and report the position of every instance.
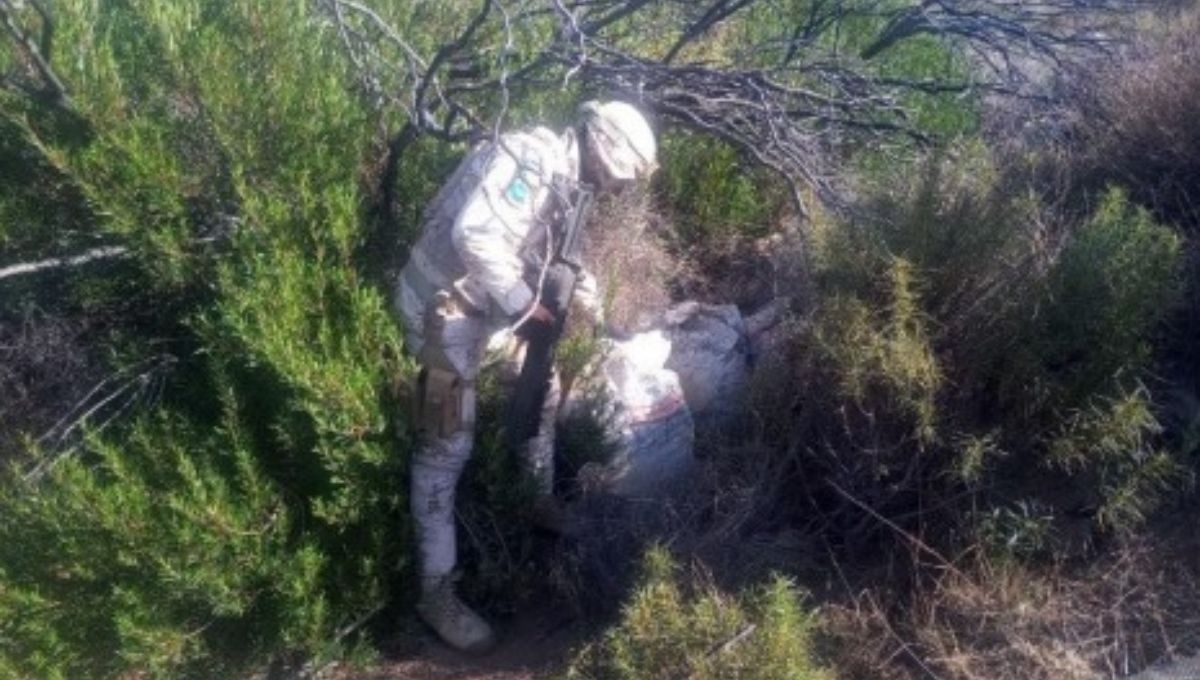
(473, 271)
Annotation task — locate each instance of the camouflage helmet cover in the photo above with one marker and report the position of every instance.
(621, 138)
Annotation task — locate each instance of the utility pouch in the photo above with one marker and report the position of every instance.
(446, 403)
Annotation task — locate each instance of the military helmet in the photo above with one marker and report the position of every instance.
(621, 138)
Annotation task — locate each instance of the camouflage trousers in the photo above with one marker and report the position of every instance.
(450, 341)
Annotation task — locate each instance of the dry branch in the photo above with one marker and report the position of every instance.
(791, 113)
(36, 51)
(93, 255)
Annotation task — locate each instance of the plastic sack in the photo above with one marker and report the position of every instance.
(646, 413)
(710, 352)
(652, 417)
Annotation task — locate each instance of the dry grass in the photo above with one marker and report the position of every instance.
(643, 269)
(1141, 127)
(626, 252)
(1001, 621)
(748, 272)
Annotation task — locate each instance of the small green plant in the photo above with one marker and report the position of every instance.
(710, 193)
(975, 455)
(1113, 444)
(1021, 530)
(885, 354)
(669, 630)
(585, 438)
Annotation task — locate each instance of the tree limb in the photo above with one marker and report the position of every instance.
(93, 255)
(54, 90)
(798, 102)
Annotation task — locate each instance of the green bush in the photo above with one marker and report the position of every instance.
(171, 553)
(1112, 446)
(1117, 277)
(225, 144)
(967, 337)
(263, 510)
(668, 630)
(712, 194)
(885, 354)
(1132, 126)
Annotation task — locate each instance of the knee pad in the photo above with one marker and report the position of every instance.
(445, 403)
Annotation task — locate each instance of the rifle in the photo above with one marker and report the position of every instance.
(525, 408)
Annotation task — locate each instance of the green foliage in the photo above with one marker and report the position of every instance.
(222, 143)
(264, 509)
(975, 454)
(150, 554)
(1112, 445)
(761, 36)
(496, 543)
(585, 438)
(1117, 278)
(965, 335)
(710, 193)
(925, 58)
(38, 211)
(886, 354)
(422, 168)
(946, 215)
(1020, 531)
(668, 630)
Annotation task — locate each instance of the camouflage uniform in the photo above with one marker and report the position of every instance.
(472, 272)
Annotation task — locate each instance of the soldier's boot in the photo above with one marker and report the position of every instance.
(453, 620)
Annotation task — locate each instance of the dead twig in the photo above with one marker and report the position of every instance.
(908, 536)
(36, 52)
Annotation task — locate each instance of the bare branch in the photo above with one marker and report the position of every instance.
(1041, 28)
(715, 14)
(443, 55)
(35, 53)
(138, 386)
(93, 255)
(795, 104)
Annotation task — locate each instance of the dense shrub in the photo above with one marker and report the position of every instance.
(885, 355)
(1131, 123)
(153, 555)
(710, 194)
(671, 629)
(264, 510)
(967, 336)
